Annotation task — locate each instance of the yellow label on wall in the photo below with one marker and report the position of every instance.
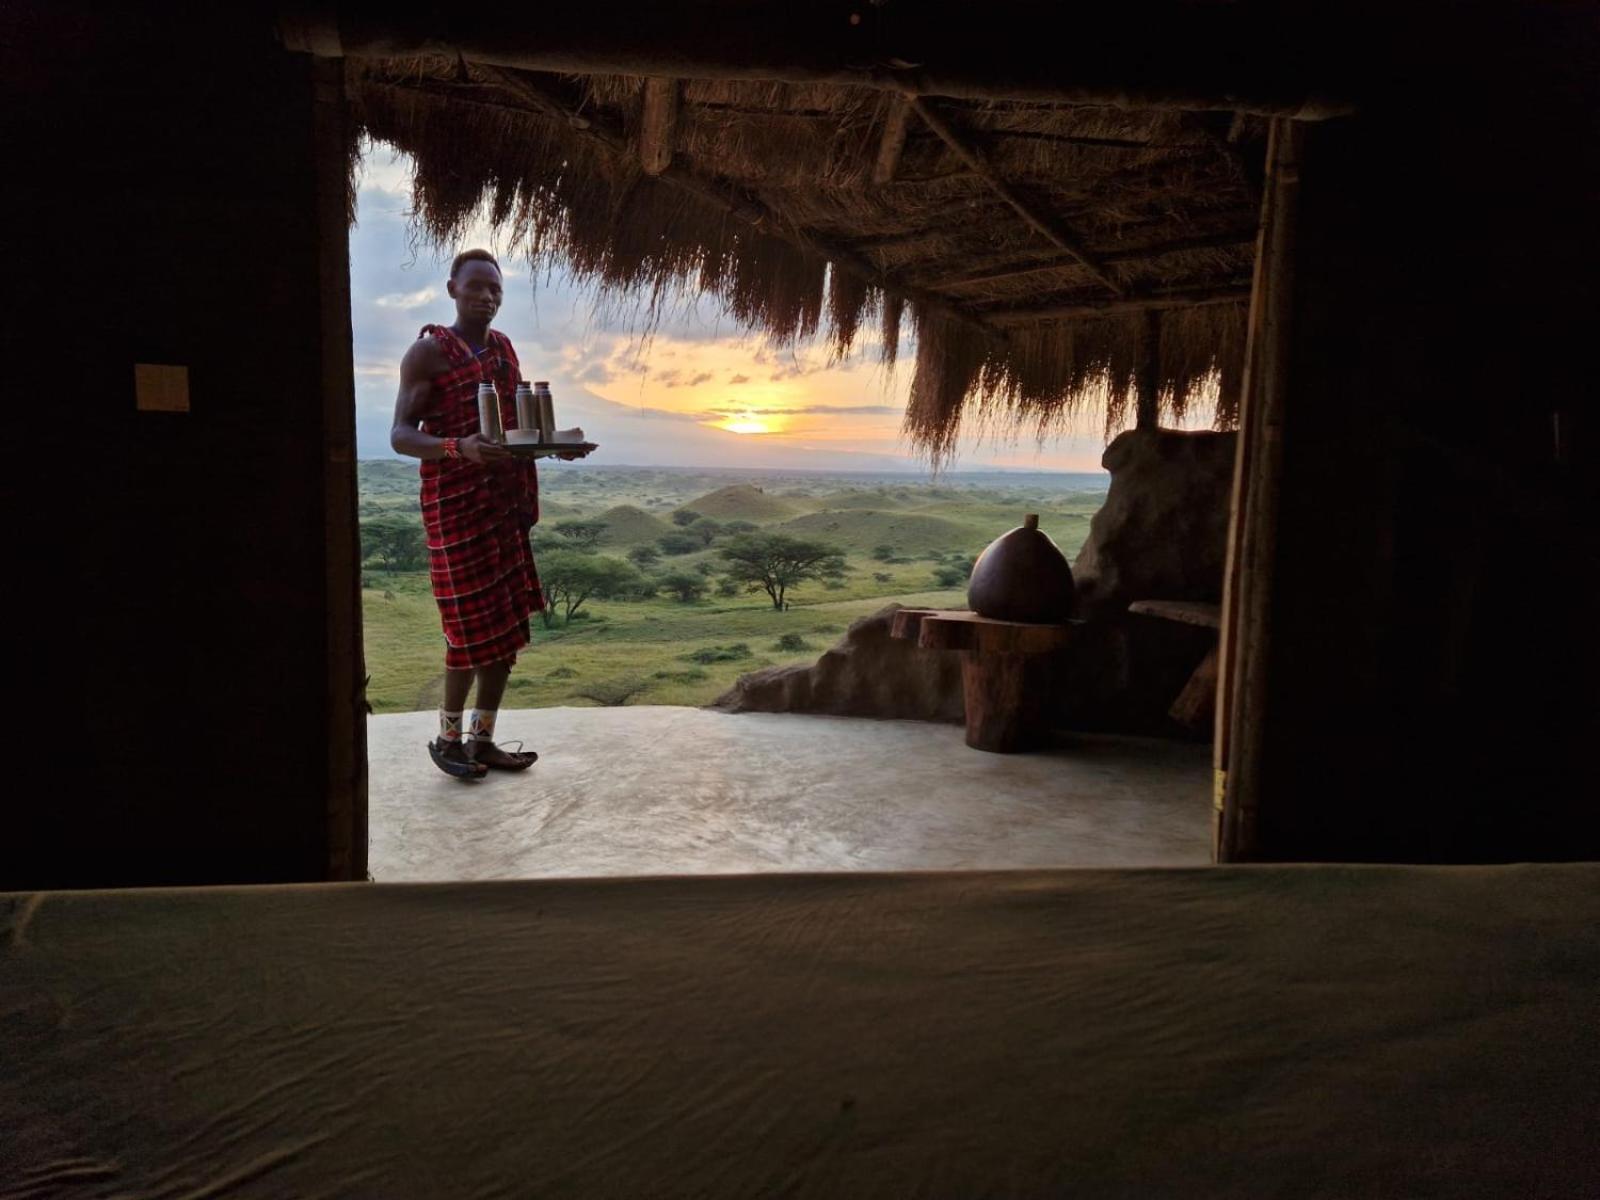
(1219, 787)
(158, 388)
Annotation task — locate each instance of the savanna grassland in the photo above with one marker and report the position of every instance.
(663, 622)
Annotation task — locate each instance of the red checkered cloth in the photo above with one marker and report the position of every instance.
(477, 518)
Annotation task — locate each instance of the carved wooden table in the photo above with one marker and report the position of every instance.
(1197, 703)
(1004, 702)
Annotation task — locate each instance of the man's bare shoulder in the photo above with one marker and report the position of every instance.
(425, 356)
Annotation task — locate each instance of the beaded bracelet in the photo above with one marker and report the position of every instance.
(451, 448)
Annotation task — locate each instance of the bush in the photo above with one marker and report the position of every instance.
(883, 553)
(882, 577)
(792, 643)
(561, 673)
(685, 516)
(692, 675)
(644, 557)
(728, 587)
(833, 585)
(716, 654)
(949, 577)
(679, 543)
(684, 586)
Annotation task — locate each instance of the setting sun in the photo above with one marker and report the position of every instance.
(748, 423)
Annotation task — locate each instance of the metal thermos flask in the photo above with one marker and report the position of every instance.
(546, 410)
(489, 424)
(527, 410)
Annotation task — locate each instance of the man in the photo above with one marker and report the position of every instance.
(478, 504)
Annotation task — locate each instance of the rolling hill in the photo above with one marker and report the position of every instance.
(741, 502)
(908, 533)
(627, 525)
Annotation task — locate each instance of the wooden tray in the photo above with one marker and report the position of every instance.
(550, 449)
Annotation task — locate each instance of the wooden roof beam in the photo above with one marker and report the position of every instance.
(1053, 231)
(895, 123)
(658, 122)
(1214, 241)
(1199, 297)
(1165, 54)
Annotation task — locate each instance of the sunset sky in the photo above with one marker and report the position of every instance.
(699, 392)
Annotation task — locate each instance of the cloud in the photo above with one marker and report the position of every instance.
(804, 409)
(703, 377)
(596, 371)
(405, 301)
(740, 379)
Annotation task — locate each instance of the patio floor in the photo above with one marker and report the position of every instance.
(654, 790)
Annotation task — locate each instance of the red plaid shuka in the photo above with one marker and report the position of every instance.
(477, 518)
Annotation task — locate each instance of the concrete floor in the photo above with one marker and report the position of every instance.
(654, 790)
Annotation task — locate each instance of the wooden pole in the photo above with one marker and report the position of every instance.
(1148, 380)
(1245, 653)
(1047, 227)
(895, 124)
(658, 122)
(345, 737)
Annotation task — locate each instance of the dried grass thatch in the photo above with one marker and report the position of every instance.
(769, 204)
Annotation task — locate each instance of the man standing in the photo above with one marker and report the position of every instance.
(478, 504)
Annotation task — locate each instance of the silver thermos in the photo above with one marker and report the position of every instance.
(527, 409)
(546, 410)
(489, 424)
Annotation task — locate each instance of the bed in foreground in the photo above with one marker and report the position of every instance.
(1265, 1031)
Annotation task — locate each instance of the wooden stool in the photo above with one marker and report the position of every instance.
(1004, 714)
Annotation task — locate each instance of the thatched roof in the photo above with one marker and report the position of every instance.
(1027, 241)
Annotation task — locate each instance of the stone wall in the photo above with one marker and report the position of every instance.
(868, 674)
(1163, 531)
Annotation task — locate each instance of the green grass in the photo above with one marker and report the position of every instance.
(673, 648)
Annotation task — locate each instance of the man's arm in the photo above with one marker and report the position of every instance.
(417, 370)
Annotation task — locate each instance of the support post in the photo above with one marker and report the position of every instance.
(1245, 658)
(345, 741)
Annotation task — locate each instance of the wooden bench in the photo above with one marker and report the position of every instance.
(1196, 704)
(1004, 713)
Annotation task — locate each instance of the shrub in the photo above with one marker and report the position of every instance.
(692, 675)
(882, 577)
(727, 587)
(792, 643)
(716, 654)
(561, 673)
(685, 516)
(684, 586)
(679, 543)
(883, 553)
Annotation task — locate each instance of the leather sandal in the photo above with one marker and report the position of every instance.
(517, 760)
(452, 759)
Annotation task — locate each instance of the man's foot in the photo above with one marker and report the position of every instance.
(453, 760)
(488, 755)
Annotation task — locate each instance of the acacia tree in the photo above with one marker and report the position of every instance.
(395, 542)
(585, 535)
(774, 562)
(569, 578)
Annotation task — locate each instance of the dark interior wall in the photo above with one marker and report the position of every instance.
(1434, 664)
(169, 591)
